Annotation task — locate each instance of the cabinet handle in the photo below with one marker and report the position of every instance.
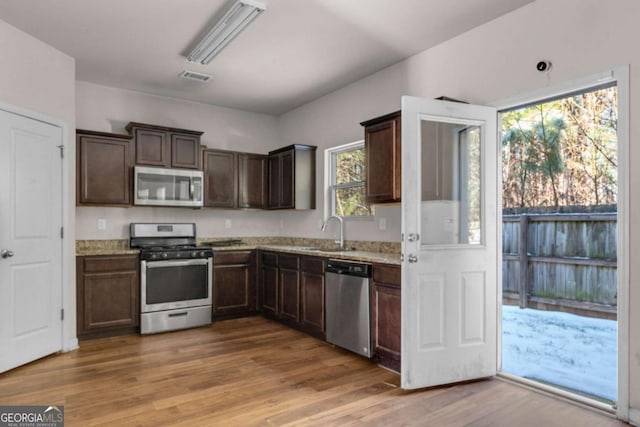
(413, 258)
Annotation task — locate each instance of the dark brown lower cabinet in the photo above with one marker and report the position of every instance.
(107, 295)
(268, 284)
(291, 290)
(386, 314)
(234, 284)
(312, 288)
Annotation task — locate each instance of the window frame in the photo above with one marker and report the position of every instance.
(331, 155)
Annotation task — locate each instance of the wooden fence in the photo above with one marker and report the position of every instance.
(564, 262)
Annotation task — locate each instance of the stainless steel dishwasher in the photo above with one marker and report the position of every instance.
(348, 305)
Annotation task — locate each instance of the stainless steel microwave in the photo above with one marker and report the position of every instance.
(167, 187)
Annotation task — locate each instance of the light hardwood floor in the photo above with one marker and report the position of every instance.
(253, 371)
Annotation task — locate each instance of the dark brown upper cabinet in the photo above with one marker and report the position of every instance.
(234, 180)
(292, 177)
(252, 181)
(220, 178)
(383, 158)
(103, 168)
(165, 146)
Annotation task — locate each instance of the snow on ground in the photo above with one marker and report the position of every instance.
(562, 349)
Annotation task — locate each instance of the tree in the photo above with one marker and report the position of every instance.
(533, 136)
(561, 152)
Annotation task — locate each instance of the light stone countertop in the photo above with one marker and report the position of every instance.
(119, 247)
(351, 255)
(104, 247)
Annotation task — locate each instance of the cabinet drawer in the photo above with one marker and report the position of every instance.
(312, 265)
(288, 261)
(240, 257)
(386, 274)
(269, 258)
(103, 264)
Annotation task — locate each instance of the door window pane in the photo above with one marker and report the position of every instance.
(451, 211)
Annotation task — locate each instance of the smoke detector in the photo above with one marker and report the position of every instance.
(194, 75)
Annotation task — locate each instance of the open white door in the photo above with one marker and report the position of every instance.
(449, 226)
(30, 240)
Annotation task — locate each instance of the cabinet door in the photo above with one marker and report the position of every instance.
(152, 147)
(108, 294)
(275, 184)
(268, 283)
(383, 161)
(104, 170)
(312, 288)
(289, 287)
(185, 151)
(289, 294)
(386, 315)
(233, 283)
(287, 180)
(252, 181)
(220, 183)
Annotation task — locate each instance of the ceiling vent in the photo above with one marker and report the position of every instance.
(192, 75)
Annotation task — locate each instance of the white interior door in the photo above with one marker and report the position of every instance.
(449, 224)
(30, 240)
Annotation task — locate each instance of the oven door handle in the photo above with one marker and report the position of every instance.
(174, 263)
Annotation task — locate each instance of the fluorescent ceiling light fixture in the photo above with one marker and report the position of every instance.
(225, 30)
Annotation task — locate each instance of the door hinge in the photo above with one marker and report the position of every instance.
(62, 314)
(62, 232)
(61, 147)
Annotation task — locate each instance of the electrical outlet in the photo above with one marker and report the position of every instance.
(382, 224)
(102, 224)
(227, 224)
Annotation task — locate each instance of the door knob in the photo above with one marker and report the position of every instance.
(413, 258)
(6, 253)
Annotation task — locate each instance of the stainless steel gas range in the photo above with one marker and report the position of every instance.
(175, 277)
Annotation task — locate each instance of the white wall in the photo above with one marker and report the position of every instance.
(493, 62)
(38, 78)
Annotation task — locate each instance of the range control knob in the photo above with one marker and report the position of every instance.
(203, 254)
(165, 255)
(194, 254)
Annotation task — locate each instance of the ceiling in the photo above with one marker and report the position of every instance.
(296, 51)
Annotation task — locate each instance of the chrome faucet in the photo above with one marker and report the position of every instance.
(341, 240)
